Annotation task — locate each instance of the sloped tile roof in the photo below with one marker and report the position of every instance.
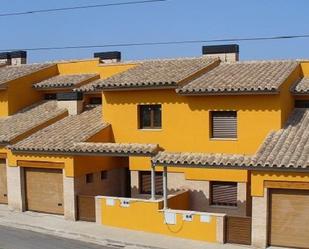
(62, 135)
(155, 73)
(62, 81)
(90, 87)
(254, 76)
(287, 148)
(13, 126)
(9, 73)
(302, 86)
(117, 148)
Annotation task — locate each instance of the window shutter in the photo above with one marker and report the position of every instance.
(224, 124)
(145, 182)
(224, 193)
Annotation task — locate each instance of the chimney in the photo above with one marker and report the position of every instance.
(108, 57)
(226, 53)
(18, 58)
(5, 58)
(72, 101)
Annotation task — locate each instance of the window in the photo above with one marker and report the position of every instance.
(302, 103)
(223, 124)
(95, 101)
(145, 182)
(50, 96)
(150, 116)
(89, 178)
(223, 193)
(103, 174)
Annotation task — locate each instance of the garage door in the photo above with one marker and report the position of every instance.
(289, 219)
(3, 182)
(44, 190)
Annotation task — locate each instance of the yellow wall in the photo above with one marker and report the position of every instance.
(185, 120)
(92, 66)
(19, 92)
(152, 220)
(91, 164)
(258, 178)
(4, 105)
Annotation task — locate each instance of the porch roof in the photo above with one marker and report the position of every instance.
(116, 148)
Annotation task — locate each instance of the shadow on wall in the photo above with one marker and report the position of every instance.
(199, 202)
(199, 103)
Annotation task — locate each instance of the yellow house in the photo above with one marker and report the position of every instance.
(207, 148)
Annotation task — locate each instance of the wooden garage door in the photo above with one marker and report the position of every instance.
(289, 218)
(44, 190)
(3, 182)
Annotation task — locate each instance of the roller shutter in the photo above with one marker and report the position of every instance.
(289, 218)
(3, 182)
(145, 182)
(44, 190)
(224, 193)
(224, 124)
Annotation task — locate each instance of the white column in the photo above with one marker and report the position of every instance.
(98, 210)
(153, 183)
(259, 220)
(165, 187)
(69, 198)
(16, 188)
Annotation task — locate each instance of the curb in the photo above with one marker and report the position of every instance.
(79, 237)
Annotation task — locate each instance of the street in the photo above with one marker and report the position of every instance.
(11, 238)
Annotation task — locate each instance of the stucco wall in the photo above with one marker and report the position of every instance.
(199, 193)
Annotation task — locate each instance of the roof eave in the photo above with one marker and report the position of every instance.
(237, 167)
(80, 153)
(228, 93)
(135, 88)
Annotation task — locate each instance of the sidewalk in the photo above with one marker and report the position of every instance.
(99, 234)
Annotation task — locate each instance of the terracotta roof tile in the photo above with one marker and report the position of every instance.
(9, 73)
(13, 126)
(154, 73)
(302, 86)
(62, 135)
(117, 148)
(254, 76)
(62, 81)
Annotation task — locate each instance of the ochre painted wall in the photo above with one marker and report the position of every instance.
(258, 178)
(21, 93)
(4, 105)
(186, 123)
(152, 220)
(93, 66)
(91, 164)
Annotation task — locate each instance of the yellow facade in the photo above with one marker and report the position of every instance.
(186, 120)
(152, 220)
(259, 177)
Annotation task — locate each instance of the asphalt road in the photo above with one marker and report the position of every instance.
(11, 238)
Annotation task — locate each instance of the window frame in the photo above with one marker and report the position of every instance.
(218, 204)
(211, 125)
(152, 117)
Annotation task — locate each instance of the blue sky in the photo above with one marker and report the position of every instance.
(171, 20)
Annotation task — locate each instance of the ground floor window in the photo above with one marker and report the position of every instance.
(223, 193)
(145, 182)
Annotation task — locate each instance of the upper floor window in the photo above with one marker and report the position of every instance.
(150, 117)
(223, 193)
(223, 124)
(95, 101)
